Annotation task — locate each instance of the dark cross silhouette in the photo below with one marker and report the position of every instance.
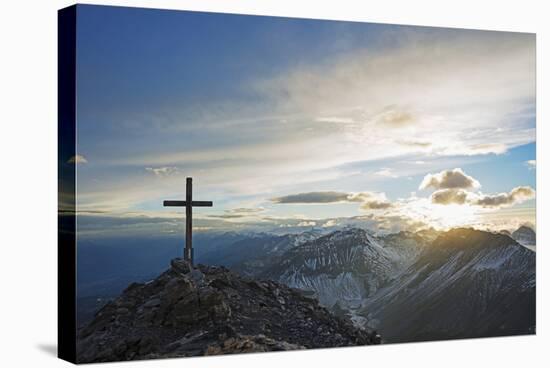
(189, 203)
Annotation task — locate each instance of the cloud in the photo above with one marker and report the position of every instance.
(462, 197)
(395, 116)
(334, 119)
(393, 223)
(164, 171)
(365, 196)
(139, 224)
(327, 197)
(476, 149)
(330, 223)
(516, 195)
(531, 164)
(368, 200)
(452, 188)
(386, 172)
(449, 179)
(246, 210)
(411, 143)
(376, 205)
(314, 197)
(441, 94)
(306, 224)
(78, 159)
(227, 216)
(236, 213)
(449, 196)
(464, 82)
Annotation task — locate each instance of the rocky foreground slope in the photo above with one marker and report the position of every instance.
(210, 310)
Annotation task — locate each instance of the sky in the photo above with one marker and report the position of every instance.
(293, 123)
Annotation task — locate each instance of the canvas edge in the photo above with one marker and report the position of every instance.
(66, 244)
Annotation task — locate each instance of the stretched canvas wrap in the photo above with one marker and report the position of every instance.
(234, 183)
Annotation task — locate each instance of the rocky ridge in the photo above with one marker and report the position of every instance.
(346, 266)
(209, 310)
(525, 235)
(468, 283)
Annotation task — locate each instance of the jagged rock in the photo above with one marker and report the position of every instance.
(210, 310)
(152, 303)
(250, 344)
(196, 275)
(180, 265)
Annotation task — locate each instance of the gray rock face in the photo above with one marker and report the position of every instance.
(346, 266)
(180, 265)
(525, 235)
(466, 284)
(209, 310)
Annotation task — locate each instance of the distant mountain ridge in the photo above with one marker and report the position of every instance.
(255, 252)
(467, 283)
(345, 266)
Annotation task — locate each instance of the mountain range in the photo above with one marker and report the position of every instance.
(418, 286)
(409, 286)
(345, 266)
(467, 283)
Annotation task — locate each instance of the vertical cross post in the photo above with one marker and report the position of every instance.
(188, 253)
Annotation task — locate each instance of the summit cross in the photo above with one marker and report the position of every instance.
(189, 203)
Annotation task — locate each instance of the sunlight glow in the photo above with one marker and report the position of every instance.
(441, 217)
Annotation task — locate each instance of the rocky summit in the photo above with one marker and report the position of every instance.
(205, 310)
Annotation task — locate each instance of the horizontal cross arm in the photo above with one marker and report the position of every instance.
(184, 203)
(202, 203)
(175, 203)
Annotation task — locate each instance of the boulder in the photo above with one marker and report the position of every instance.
(180, 265)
